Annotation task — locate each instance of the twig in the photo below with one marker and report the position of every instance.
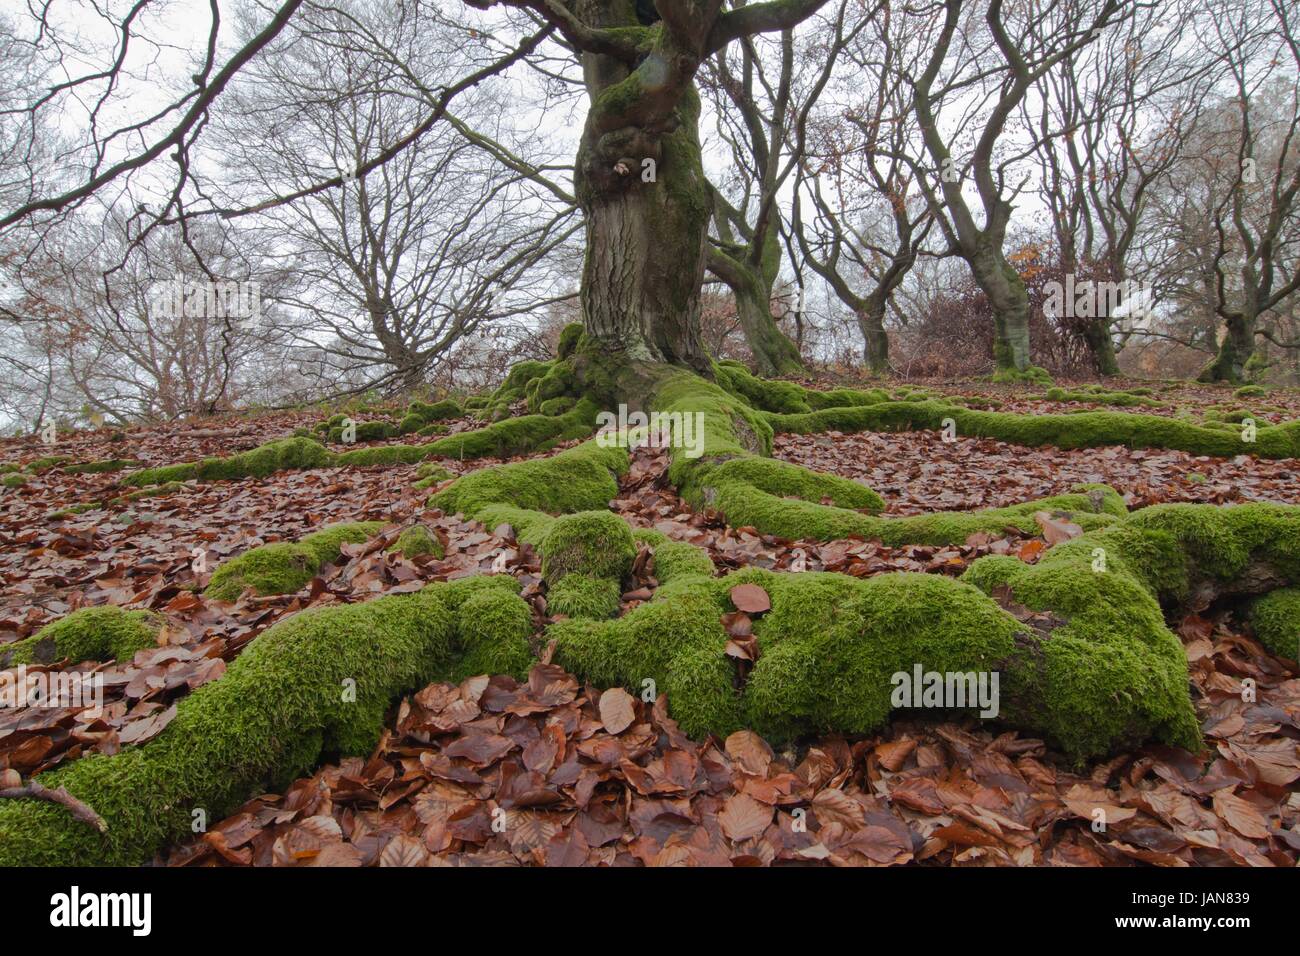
(34, 791)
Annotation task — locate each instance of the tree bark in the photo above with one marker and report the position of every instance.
(1235, 350)
(641, 184)
(1009, 301)
(871, 322)
(773, 353)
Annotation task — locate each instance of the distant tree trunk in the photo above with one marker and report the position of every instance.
(1235, 349)
(1102, 347)
(871, 322)
(1009, 301)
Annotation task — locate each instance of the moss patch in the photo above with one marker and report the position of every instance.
(283, 567)
(417, 540)
(92, 633)
(596, 543)
(580, 595)
(1275, 618)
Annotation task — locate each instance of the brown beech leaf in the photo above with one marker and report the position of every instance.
(743, 817)
(750, 598)
(1056, 530)
(617, 710)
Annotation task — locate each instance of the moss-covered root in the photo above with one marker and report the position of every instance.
(283, 567)
(93, 633)
(516, 436)
(596, 543)
(418, 540)
(792, 502)
(523, 494)
(1275, 618)
(581, 595)
(493, 626)
(1081, 430)
(318, 682)
(832, 646)
(279, 455)
(674, 560)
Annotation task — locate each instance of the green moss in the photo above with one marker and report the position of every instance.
(1082, 430)
(99, 467)
(1108, 586)
(557, 406)
(366, 431)
(674, 561)
(383, 455)
(581, 595)
(494, 625)
(13, 481)
(40, 465)
(1031, 375)
(279, 455)
(577, 479)
(1275, 618)
(831, 645)
(282, 567)
(597, 543)
(313, 684)
(569, 337)
(417, 540)
(515, 436)
(92, 633)
(1100, 397)
(430, 474)
(1250, 391)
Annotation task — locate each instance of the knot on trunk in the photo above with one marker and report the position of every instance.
(615, 162)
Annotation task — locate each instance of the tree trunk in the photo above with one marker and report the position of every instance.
(1235, 350)
(1102, 347)
(641, 184)
(1010, 303)
(875, 343)
(773, 353)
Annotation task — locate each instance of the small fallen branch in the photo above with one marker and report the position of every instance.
(35, 791)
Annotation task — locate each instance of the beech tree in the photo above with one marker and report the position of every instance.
(976, 73)
(638, 175)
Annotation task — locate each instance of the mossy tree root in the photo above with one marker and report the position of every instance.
(316, 683)
(1074, 430)
(1097, 670)
(92, 633)
(285, 567)
(1275, 618)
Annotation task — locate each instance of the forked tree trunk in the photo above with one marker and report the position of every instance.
(1009, 301)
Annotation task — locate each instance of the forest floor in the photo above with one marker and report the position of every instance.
(600, 777)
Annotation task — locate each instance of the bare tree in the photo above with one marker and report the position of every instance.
(402, 262)
(869, 222)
